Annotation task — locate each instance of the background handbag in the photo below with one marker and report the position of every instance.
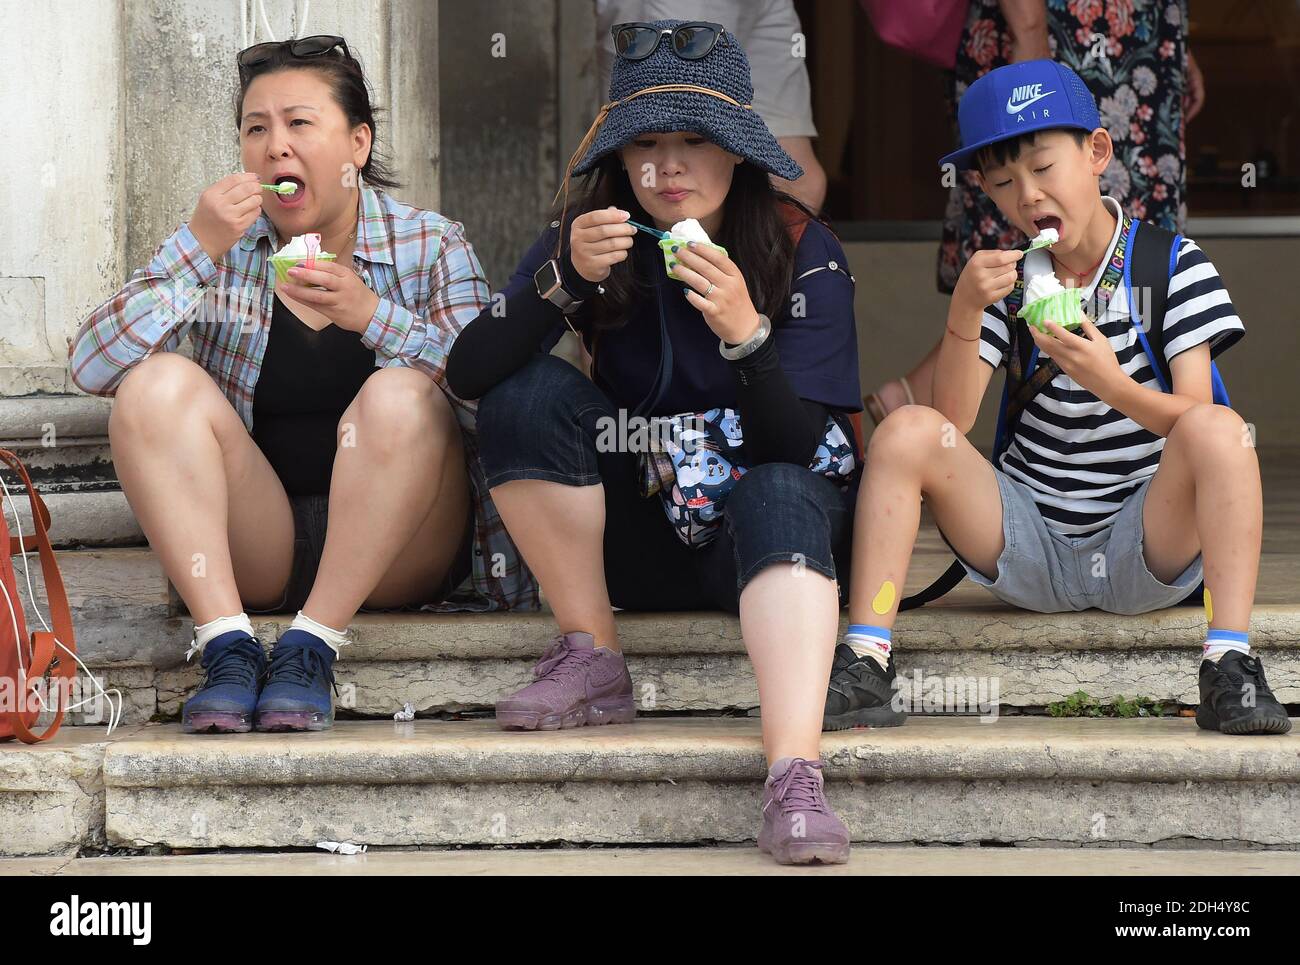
(927, 29)
(39, 660)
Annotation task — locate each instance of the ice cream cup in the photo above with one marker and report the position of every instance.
(1063, 308)
(282, 263)
(670, 257)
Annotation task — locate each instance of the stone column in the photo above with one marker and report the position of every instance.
(62, 199)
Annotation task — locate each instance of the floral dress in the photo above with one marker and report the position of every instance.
(1132, 54)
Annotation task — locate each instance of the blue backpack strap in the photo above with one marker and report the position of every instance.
(1153, 257)
(1153, 260)
(1151, 252)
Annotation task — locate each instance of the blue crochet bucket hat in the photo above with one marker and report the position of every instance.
(711, 96)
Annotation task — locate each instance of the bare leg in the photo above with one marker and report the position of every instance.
(789, 619)
(560, 531)
(1209, 472)
(917, 452)
(209, 503)
(399, 498)
(892, 395)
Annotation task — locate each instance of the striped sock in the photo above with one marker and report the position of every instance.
(868, 641)
(1219, 642)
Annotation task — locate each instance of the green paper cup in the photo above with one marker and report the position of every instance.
(1063, 308)
(670, 259)
(282, 263)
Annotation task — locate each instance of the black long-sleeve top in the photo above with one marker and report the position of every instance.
(783, 391)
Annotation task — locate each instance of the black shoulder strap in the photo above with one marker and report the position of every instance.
(953, 575)
(1152, 260)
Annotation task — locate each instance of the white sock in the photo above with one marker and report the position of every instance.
(1219, 642)
(204, 632)
(870, 641)
(335, 638)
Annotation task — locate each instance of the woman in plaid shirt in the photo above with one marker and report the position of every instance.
(318, 400)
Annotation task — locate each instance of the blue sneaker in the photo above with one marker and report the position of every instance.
(296, 695)
(234, 663)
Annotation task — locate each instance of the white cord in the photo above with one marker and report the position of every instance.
(299, 31)
(113, 718)
(261, 6)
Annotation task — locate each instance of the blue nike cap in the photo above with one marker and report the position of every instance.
(1034, 95)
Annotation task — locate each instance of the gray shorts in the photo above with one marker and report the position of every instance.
(1049, 572)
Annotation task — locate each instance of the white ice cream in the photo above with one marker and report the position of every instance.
(690, 230)
(297, 248)
(1048, 236)
(1040, 286)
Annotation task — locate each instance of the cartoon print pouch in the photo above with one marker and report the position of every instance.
(695, 460)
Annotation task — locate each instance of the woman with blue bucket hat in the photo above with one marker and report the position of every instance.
(710, 460)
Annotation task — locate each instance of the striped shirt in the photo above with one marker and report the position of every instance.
(1081, 458)
(430, 286)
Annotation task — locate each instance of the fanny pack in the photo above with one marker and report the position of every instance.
(694, 461)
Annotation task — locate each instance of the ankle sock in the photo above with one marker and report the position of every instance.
(204, 633)
(305, 624)
(870, 641)
(1219, 642)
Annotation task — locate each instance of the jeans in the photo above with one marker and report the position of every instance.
(543, 423)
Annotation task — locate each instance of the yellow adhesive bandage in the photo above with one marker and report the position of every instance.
(884, 601)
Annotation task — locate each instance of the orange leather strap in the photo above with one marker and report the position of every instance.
(47, 657)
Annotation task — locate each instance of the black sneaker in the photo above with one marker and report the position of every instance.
(860, 693)
(1235, 698)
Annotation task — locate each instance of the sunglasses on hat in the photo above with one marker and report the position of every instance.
(690, 41)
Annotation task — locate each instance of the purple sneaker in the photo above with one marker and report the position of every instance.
(799, 827)
(575, 683)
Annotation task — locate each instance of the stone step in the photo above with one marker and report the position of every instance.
(742, 859)
(683, 781)
(63, 442)
(681, 662)
(52, 794)
(53, 417)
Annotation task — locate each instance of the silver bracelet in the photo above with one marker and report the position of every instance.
(750, 345)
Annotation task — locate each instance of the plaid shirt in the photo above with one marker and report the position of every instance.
(430, 286)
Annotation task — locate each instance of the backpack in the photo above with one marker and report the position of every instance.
(1152, 255)
(44, 659)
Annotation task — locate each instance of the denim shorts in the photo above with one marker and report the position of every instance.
(1049, 572)
(543, 422)
(310, 514)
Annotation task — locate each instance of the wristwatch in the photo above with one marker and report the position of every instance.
(550, 286)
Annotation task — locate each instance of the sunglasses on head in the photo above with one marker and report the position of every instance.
(303, 47)
(690, 41)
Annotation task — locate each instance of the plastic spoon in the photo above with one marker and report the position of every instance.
(1043, 240)
(654, 231)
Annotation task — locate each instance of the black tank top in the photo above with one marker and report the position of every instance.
(307, 380)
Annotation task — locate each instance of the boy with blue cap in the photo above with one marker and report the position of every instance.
(1117, 483)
